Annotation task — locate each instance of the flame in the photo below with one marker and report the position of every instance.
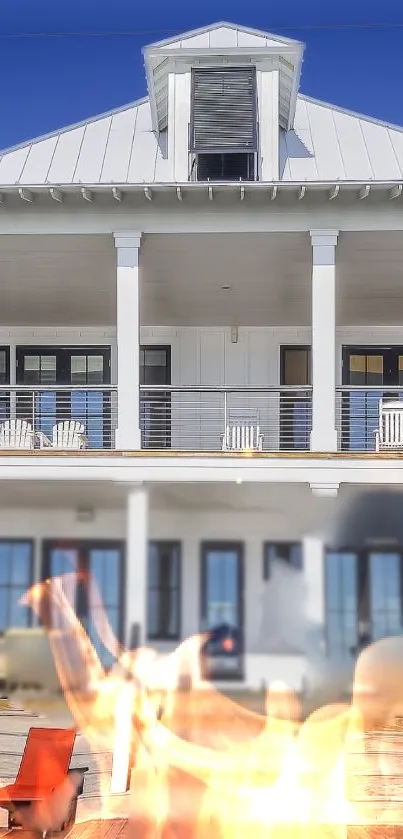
(196, 763)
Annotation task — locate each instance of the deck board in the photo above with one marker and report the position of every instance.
(378, 794)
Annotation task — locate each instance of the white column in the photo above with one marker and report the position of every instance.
(128, 339)
(136, 562)
(324, 435)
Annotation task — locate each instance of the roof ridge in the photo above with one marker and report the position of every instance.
(81, 124)
(217, 25)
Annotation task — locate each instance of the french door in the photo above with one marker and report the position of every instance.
(76, 367)
(155, 406)
(364, 598)
(295, 406)
(102, 561)
(378, 368)
(222, 612)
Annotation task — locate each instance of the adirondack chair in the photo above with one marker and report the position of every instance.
(16, 434)
(69, 435)
(389, 435)
(242, 438)
(65, 435)
(43, 770)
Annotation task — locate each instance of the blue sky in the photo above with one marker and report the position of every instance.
(49, 81)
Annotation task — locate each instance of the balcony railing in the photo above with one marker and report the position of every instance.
(195, 418)
(357, 412)
(93, 407)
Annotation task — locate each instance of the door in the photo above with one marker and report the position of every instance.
(295, 406)
(364, 599)
(377, 368)
(4, 380)
(103, 562)
(222, 611)
(55, 366)
(155, 406)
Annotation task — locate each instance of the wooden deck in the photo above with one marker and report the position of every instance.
(170, 454)
(378, 795)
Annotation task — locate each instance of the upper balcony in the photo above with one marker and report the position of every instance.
(228, 339)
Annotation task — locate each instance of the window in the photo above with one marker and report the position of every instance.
(164, 567)
(223, 136)
(15, 580)
(289, 552)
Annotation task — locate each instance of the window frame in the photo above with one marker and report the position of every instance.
(164, 544)
(8, 586)
(285, 543)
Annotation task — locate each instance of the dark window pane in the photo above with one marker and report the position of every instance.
(163, 590)
(78, 370)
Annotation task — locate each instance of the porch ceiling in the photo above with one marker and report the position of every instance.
(370, 279)
(268, 277)
(71, 280)
(57, 280)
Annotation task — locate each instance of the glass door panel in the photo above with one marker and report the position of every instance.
(222, 607)
(102, 563)
(155, 413)
(4, 380)
(385, 594)
(295, 407)
(363, 408)
(92, 408)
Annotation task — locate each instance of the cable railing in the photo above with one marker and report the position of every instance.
(60, 416)
(209, 418)
(357, 414)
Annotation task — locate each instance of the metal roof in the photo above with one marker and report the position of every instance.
(328, 144)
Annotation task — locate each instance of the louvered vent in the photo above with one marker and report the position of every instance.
(224, 117)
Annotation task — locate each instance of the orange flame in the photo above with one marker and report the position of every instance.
(198, 764)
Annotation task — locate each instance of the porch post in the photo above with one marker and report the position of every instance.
(136, 565)
(324, 434)
(128, 434)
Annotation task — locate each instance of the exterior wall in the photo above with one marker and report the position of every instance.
(268, 606)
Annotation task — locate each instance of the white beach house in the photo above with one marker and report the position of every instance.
(206, 286)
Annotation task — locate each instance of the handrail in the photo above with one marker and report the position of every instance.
(226, 388)
(369, 388)
(52, 388)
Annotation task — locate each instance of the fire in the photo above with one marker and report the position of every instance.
(196, 763)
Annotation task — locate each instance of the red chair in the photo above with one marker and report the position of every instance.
(43, 769)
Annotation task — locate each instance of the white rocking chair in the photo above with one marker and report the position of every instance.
(240, 438)
(16, 434)
(66, 435)
(389, 435)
